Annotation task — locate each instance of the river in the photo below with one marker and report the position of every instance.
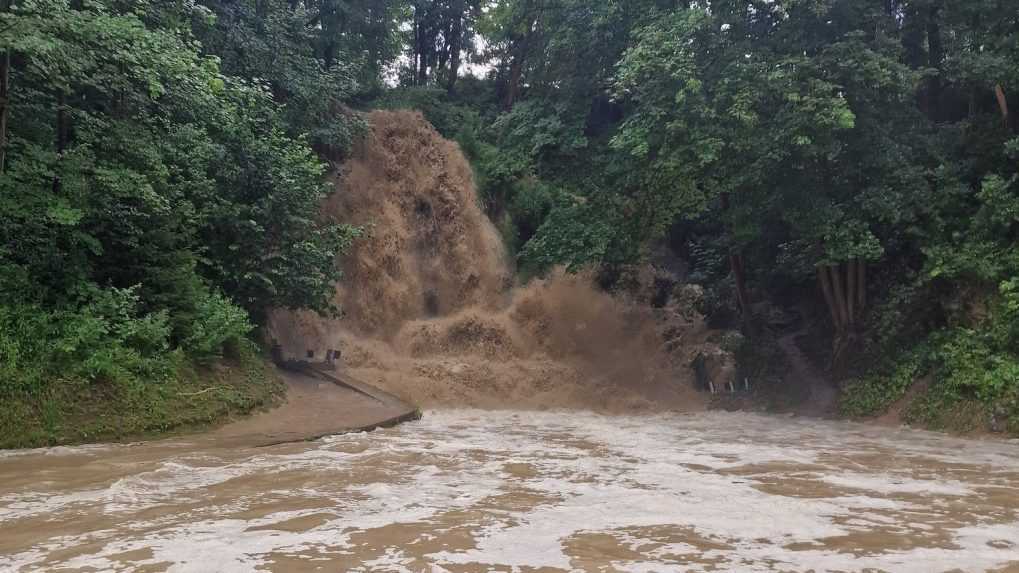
(472, 490)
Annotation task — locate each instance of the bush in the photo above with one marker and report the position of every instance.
(103, 339)
(874, 394)
(448, 118)
(218, 323)
(972, 366)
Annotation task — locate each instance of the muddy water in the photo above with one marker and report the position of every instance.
(464, 491)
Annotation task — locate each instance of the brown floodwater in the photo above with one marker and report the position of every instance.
(479, 491)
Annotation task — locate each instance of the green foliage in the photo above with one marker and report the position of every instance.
(219, 323)
(575, 235)
(152, 206)
(710, 263)
(533, 129)
(313, 56)
(531, 205)
(76, 410)
(727, 107)
(163, 173)
(449, 117)
(883, 387)
(106, 339)
(970, 265)
(974, 365)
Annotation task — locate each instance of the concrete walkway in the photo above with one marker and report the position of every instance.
(319, 404)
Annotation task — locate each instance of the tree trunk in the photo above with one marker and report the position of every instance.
(840, 295)
(739, 277)
(519, 46)
(913, 37)
(861, 286)
(5, 79)
(454, 71)
(417, 49)
(851, 285)
(422, 69)
(845, 293)
(442, 56)
(334, 24)
(890, 8)
(738, 274)
(455, 45)
(329, 54)
(516, 71)
(999, 93)
(936, 61)
(260, 15)
(829, 298)
(420, 45)
(843, 328)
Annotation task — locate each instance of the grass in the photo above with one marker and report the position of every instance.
(936, 411)
(76, 411)
(873, 395)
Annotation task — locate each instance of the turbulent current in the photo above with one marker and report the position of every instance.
(473, 490)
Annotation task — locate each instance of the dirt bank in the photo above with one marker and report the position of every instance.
(432, 313)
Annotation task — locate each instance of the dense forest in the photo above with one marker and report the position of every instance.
(161, 166)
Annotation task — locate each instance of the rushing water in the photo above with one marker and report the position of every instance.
(464, 491)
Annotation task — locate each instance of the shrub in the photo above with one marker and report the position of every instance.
(874, 394)
(218, 322)
(103, 339)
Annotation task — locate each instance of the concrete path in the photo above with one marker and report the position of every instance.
(319, 404)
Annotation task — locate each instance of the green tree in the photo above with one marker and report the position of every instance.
(759, 116)
(296, 50)
(133, 164)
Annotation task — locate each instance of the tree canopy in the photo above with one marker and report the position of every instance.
(149, 192)
(162, 163)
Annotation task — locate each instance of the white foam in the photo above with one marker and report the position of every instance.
(892, 484)
(592, 475)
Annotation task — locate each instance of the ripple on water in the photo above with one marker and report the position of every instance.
(527, 491)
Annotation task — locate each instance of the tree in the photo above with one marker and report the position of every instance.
(443, 32)
(134, 163)
(767, 116)
(295, 48)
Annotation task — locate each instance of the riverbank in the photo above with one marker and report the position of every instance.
(75, 411)
(244, 401)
